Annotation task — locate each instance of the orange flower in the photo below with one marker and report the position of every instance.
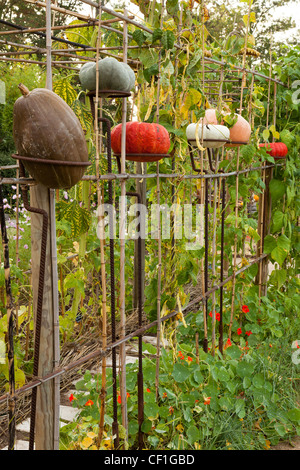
(228, 343)
(148, 390)
(255, 197)
(171, 410)
(165, 395)
(189, 359)
(207, 400)
(89, 403)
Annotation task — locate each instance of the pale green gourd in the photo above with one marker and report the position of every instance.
(113, 75)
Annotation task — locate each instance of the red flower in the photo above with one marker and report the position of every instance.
(218, 316)
(148, 390)
(189, 359)
(71, 398)
(180, 355)
(228, 343)
(245, 309)
(89, 403)
(248, 333)
(239, 331)
(207, 400)
(119, 399)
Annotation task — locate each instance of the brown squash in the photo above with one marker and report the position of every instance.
(46, 128)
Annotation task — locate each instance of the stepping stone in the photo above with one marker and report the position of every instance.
(19, 445)
(67, 413)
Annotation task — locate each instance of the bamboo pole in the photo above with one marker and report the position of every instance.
(61, 10)
(158, 306)
(98, 142)
(243, 85)
(10, 330)
(53, 249)
(122, 247)
(61, 28)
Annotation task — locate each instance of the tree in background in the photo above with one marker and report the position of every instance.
(28, 15)
(227, 18)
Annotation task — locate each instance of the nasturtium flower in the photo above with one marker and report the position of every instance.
(207, 400)
(248, 333)
(89, 403)
(239, 331)
(217, 315)
(189, 358)
(71, 398)
(245, 309)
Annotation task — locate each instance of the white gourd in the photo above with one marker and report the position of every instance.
(214, 136)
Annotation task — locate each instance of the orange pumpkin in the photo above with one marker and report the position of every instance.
(239, 133)
(145, 142)
(276, 149)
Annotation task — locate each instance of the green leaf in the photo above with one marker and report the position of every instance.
(151, 410)
(278, 277)
(258, 380)
(139, 37)
(248, 153)
(84, 115)
(279, 255)
(78, 217)
(234, 352)
(277, 189)
(270, 243)
(167, 40)
(64, 89)
(180, 372)
(244, 369)
(157, 34)
(172, 6)
(284, 242)
(280, 429)
(193, 434)
(277, 221)
(266, 134)
(240, 408)
(198, 377)
(146, 426)
(294, 415)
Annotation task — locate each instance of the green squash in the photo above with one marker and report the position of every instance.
(113, 75)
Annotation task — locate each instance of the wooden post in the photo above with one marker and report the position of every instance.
(44, 418)
(47, 407)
